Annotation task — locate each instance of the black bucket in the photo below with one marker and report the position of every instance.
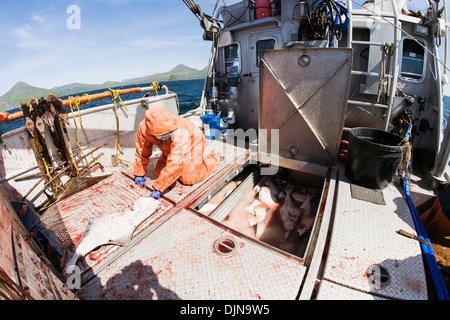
(373, 157)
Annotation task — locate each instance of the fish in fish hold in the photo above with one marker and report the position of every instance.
(116, 228)
(307, 218)
(289, 212)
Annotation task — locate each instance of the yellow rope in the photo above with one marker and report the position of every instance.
(154, 89)
(67, 137)
(46, 165)
(41, 150)
(70, 148)
(115, 94)
(178, 103)
(76, 102)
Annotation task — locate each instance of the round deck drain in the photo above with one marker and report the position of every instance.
(225, 246)
(378, 276)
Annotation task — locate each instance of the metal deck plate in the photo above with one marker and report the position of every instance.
(364, 234)
(178, 261)
(69, 219)
(332, 291)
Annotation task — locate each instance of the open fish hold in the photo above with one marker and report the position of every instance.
(279, 201)
(278, 211)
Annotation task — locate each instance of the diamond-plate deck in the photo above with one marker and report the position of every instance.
(178, 261)
(69, 219)
(333, 291)
(364, 234)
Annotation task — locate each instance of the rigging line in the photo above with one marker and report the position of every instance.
(403, 31)
(215, 7)
(194, 8)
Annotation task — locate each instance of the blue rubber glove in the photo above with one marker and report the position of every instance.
(155, 194)
(140, 180)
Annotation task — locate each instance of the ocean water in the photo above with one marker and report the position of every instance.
(189, 93)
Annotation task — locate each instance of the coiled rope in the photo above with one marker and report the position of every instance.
(115, 94)
(74, 102)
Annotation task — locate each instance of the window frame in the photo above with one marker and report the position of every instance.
(239, 58)
(257, 57)
(406, 78)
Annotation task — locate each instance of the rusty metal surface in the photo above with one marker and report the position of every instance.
(185, 265)
(303, 95)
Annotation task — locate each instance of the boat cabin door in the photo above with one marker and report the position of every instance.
(257, 42)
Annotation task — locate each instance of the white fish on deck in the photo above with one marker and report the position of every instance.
(116, 228)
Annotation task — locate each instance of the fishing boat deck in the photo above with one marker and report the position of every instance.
(365, 234)
(189, 264)
(69, 218)
(186, 265)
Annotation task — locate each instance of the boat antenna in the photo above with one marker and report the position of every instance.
(215, 7)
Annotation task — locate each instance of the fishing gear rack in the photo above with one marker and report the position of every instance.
(46, 120)
(64, 167)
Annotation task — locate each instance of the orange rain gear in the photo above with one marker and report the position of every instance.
(182, 153)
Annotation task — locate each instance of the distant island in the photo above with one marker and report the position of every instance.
(22, 91)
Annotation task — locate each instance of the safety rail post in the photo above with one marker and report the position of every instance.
(394, 80)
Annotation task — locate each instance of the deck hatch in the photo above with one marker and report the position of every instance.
(225, 246)
(379, 276)
(303, 102)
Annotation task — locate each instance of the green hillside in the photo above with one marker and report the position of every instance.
(22, 91)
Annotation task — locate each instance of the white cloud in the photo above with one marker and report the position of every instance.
(24, 32)
(23, 37)
(38, 18)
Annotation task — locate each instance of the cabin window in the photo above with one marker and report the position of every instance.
(232, 60)
(413, 60)
(263, 45)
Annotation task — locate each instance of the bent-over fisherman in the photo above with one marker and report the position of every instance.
(182, 145)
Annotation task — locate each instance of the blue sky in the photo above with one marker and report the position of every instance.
(117, 40)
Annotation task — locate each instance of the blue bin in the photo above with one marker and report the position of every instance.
(213, 121)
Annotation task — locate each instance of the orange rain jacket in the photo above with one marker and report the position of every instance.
(182, 154)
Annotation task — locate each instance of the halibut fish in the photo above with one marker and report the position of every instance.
(307, 218)
(289, 212)
(116, 228)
